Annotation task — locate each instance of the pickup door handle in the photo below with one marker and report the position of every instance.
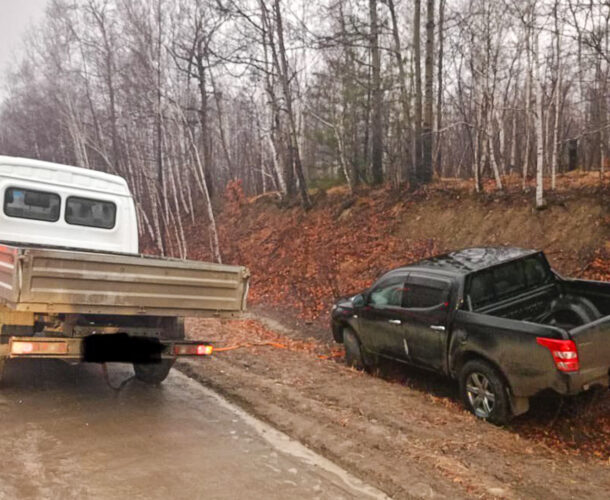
(440, 328)
(394, 321)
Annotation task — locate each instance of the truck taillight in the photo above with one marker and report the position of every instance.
(204, 350)
(193, 349)
(564, 353)
(22, 347)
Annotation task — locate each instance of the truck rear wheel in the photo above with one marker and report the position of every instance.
(153, 373)
(484, 392)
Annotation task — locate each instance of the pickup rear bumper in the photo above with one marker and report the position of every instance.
(585, 379)
(103, 348)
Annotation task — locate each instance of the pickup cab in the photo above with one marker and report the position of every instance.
(73, 286)
(497, 319)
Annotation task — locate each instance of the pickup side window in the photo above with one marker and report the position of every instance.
(91, 213)
(30, 204)
(388, 292)
(420, 296)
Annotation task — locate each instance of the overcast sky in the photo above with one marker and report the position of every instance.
(15, 16)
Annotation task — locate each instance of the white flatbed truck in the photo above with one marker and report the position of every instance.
(73, 287)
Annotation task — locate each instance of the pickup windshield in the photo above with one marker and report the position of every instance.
(507, 280)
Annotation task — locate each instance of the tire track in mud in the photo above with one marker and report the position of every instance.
(408, 443)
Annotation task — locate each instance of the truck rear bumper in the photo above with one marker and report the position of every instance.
(102, 348)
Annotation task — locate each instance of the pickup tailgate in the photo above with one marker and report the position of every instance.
(593, 344)
(67, 281)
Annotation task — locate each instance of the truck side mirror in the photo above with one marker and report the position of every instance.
(358, 300)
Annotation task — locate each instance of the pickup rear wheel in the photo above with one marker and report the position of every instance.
(484, 392)
(153, 373)
(353, 350)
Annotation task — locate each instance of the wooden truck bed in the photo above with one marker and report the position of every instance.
(45, 280)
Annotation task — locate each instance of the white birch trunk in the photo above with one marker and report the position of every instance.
(538, 118)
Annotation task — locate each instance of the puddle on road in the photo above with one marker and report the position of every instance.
(285, 444)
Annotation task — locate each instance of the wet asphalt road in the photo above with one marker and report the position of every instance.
(64, 433)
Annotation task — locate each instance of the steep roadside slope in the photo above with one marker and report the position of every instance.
(302, 260)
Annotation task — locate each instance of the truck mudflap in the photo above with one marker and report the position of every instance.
(106, 348)
(593, 344)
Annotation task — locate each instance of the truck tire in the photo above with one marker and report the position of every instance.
(2, 365)
(484, 392)
(353, 350)
(153, 373)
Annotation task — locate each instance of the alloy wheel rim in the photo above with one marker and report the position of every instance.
(481, 397)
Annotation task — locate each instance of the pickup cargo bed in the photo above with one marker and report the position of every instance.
(46, 280)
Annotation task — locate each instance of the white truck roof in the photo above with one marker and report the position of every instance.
(49, 204)
(58, 174)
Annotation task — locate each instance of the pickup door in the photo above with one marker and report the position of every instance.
(380, 319)
(405, 318)
(424, 320)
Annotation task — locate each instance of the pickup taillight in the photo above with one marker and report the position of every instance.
(564, 353)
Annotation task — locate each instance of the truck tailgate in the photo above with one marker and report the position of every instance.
(593, 344)
(66, 281)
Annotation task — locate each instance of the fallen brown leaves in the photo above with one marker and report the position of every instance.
(599, 267)
(229, 335)
(304, 260)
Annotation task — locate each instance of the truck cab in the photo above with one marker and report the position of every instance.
(61, 206)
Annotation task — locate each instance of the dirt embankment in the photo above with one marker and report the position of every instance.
(571, 230)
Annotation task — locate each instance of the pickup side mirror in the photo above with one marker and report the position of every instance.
(358, 300)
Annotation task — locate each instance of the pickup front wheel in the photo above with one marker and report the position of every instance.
(484, 392)
(353, 350)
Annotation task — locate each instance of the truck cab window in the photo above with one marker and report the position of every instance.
(423, 296)
(91, 213)
(388, 293)
(507, 280)
(30, 204)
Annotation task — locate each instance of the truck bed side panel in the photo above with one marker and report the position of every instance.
(72, 281)
(511, 346)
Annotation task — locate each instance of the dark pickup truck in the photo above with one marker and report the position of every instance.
(497, 319)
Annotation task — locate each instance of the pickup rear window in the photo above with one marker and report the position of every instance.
(507, 280)
(91, 213)
(30, 204)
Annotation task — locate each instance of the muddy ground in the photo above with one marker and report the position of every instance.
(66, 434)
(403, 430)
